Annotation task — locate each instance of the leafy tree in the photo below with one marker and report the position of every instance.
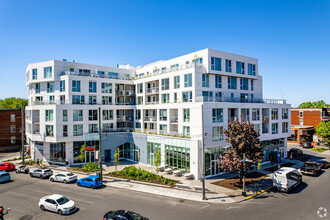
(116, 158)
(12, 103)
(157, 160)
(323, 131)
(82, 153)
(317, 104)
(243, 139)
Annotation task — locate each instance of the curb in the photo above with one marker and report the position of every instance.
(262, 191)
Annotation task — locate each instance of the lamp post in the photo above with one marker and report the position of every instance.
(100, 146)
(203, 159)
(22, 130)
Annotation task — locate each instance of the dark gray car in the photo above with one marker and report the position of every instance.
(41, 173)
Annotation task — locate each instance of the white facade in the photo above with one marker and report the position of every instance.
(163, 99)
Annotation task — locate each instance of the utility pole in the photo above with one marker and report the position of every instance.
(22, 129)
(244, 192)
(100, 146)
(203, 158)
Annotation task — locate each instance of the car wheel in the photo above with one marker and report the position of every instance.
(16, 171)
(31, 175)
(92, 186)
(65, 181)
(42, 208)
(78, 184)
(51, 179)
(60, 212)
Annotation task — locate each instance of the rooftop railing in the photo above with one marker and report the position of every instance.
(121, 76)
(239, 100)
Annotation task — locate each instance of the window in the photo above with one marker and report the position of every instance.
(165, 98)
(187, 96)
(92, 100)
(163, 129)
(217, 115)
(140, 100)
(139, 88)
(166, 84)
(162, 114)
(198, 60)
(100, 73)
(176, 82)
(138, 114)
(218, 81)
(285, 127)
(186, 115)
(188, 80)
(107, 114)
(155, 71)
(164, 70)
(274, 128)
(92, 116)
(34, 74)
(218, 96)
(62, 86)
(93, 128)
(256, 127)
(62, 99)
(75, 86)
(106, 87)
(285, 113)
(113, 75)
(207, 96)
(217, 133)
(49, 130)
(232, 83)
(244, 84)
(51, 99)
(106, 100)
(239, 67)
(176, 97)
(245, 114)
(205, 80)
(12, 117)
(49, 115)
(252, 69)
(50, 87)
(84, 72)
(186, 131)
(215, 63)
(65, 115)
(13, 139)
(65, 130)
(107, 127)
(301, 114)
(77, 130)
(255, 114)
(38, 88)
(78, 115)
(174, 67)
(228, 66)
(78, 99)
(244, 97)
(301, 122)
(12, 128)
(252, 87)
(274, 113)
(92, 87)
(48, 72)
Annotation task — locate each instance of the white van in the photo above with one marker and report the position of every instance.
(286, 178)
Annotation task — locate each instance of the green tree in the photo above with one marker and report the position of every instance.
(317, 104)
(157, 160)
(12, 103)
(116, 158)
(323, 131)
(82, 153)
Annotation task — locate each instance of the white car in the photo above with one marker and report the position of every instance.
(64, 177)
(57, 203)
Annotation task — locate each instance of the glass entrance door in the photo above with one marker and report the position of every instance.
(152, 159)
(89, 156)
(136, 155)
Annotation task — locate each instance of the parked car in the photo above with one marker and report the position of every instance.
(311, 167)
(7, 166)
(64, 177)
(41, 173)
(90, 181)
(324, 164)
(307, 145)
(4, 177)
(286, 178)
(22, 169)
(123, 214)
(295, 152)
(57, 203)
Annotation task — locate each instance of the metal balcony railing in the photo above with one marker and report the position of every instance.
(152, 90)
(150, 118)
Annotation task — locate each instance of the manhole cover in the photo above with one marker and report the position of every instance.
(26, 217)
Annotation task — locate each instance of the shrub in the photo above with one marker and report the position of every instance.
(90, 167)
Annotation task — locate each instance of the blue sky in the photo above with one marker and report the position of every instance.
(291, 39)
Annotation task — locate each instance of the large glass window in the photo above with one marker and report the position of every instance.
(245, 114)
(285, 127)
(163, 129)
(174, 67)
(139, 88)
(215, 63)
(65, 116)
(217, 114)
(65, 130)
(284, 113)
(188, 80)
(228, 66)
(92, 87)
(77, 151)
(50, 87)
(177, 157)
(232, 83)
(217, 133)
(48, 72)
(37, 88)
(112, 75)
(49, 130)
(274, 113)
(165, 98)
(93, 128)
(75, 86)
(138, 114)
(106, 127)
(152, 149)
(107, 114)
(140, 100)
(163, 114)
(106, 87)
(274, 128)
(34, 74)
(49, 115)
(166, 84)
(78, 99)
(187, 96)
(205, 80)
(92, 99)
(176, 82)
(62, 86)
(77, 130)
(218, 81)
(240, 67)
(57, 152)
(106, 100)
(255, 114)
(207, 96)
(186, 115)
(92, 115)
(244, 84)
(77, 115)
(252, 69)
(186, 131)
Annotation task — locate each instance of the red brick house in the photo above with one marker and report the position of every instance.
(10, 130)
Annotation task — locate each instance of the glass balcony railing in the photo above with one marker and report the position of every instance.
(239, 100)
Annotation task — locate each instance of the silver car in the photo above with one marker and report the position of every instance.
(64, 177)
(41, 173)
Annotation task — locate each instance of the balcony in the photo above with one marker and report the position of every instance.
(152, 103)
(129, 93)
(174, 121)
(121, 76)
(150, 119)
(123, 118)
(125, 103)
(152, 90)
(239, 100)
(58, 102)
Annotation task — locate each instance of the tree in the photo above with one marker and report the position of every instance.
(243, 139)
(12, 103)
(116, 158)
(82, 153)
(317, 104)
(323, 131)
(157, 160)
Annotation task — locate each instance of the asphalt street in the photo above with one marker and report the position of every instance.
(23, 193)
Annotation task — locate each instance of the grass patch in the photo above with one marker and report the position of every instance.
(18, 158)
(319, 149)
(29, 162)
(88, 167)
(138, 174)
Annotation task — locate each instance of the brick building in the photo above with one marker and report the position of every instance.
(304, 122)
(10, 129)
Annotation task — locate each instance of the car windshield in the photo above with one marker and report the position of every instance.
(62, 200)
(46, 170)
(70, 174)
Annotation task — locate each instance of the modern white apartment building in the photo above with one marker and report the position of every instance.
(148, 108)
